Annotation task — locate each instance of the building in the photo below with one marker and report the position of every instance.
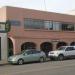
(39, 30)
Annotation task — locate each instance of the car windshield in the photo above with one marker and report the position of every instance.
(23, 51)
(26, 51)
(61, 48)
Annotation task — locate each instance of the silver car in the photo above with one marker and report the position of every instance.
(27, 56)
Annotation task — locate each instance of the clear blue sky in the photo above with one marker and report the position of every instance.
(59, 6)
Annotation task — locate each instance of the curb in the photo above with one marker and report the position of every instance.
(3, 63)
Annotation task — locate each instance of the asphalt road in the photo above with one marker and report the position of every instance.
(66, 67)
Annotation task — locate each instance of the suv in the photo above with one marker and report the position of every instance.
(62, 52)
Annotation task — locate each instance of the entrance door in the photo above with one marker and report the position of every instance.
(0, 48)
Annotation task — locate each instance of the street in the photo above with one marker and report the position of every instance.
(66, 67)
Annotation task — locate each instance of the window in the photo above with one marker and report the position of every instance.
(33, 24)
(56, 26)
(37, 24)
(35, 51)
(61, 48)
(29, 52)
(48, 25)
(67, 27)
(70, 48)
(30, 23)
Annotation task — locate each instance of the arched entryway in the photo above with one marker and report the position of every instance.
(10, 47)
(28, 45)
(46, 47)
(59, 44)
(72, 44)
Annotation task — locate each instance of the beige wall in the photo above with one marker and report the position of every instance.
(3, 14)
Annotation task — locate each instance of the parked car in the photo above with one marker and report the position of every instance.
(62, 52)
(27, 56)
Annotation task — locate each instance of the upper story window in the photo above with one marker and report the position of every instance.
(67, 27)
(33, 24)
(37, 24)
(47, 25)
(56, 26)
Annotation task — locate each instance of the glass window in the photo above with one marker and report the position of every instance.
(61, 48)
(29, 52)
(34, 24)
(37, 24)
(70, 48)
(56, 26)
(67, 27)
(48, 25)
(35, 51)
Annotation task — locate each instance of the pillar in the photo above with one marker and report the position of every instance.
(4, 50)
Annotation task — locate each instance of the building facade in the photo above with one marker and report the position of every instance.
(39, 30)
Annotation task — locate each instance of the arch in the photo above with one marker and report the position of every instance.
(59, 44)
(10, 47)
(72, 43)
(46, 47)
(28, 45)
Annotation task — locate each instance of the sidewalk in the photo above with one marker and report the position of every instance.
(3, 63)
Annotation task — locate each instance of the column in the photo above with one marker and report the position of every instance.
(17, 47)
(4, 50)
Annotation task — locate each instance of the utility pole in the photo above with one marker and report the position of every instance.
(45, 5)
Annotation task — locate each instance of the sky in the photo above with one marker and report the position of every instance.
(58, 6)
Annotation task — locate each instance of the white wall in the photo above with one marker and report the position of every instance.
(3, 46)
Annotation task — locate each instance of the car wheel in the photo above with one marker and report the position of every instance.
(42, 59)
(20, 61)
(60, 57)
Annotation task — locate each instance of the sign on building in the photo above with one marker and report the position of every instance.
(5, 26)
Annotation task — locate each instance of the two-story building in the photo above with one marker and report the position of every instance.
(36, 29)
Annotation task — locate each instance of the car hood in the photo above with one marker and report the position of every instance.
(14, 56)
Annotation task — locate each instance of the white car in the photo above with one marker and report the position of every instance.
(62, 52)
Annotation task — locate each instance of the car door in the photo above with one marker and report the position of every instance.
(73, 51)
(69, 51)
(36, 55)
(28, 56)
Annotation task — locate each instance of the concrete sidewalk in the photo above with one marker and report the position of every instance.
(3, 63)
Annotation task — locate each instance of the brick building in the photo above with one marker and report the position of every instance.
(36, 29)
